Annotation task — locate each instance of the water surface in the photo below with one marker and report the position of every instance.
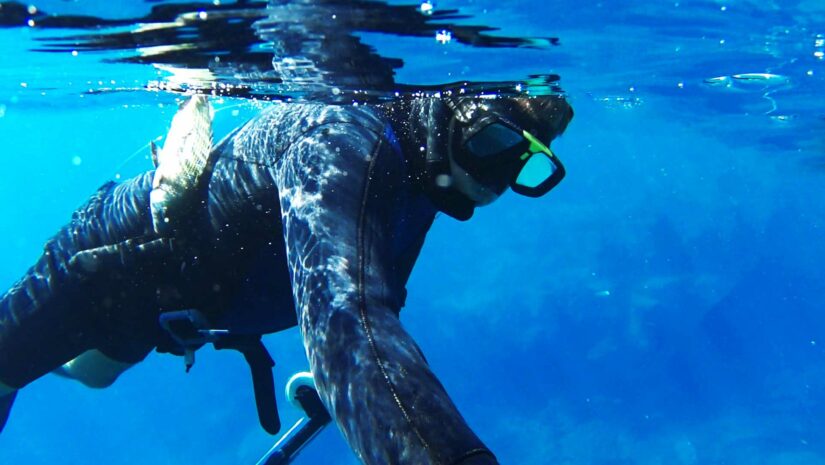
(662, 305)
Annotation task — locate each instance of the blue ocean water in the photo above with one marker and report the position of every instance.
(662, 305)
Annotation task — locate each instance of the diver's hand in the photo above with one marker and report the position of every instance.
(93, 368)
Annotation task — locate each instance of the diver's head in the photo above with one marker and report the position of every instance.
(492, 143)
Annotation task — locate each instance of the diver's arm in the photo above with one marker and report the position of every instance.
(337, 190)
(57, 310)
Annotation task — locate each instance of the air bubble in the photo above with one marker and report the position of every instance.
(443, 36)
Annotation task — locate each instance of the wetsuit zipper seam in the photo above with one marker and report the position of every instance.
(362, 299)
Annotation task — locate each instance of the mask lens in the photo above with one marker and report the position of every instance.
(492, 140)
(538, 169)
(540, 172)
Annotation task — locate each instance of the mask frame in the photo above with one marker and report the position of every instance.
(503, 168)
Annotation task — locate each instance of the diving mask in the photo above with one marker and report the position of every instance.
(498, 154)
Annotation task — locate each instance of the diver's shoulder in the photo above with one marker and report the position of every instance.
(307, 116)
(279, 126)
(362, 115)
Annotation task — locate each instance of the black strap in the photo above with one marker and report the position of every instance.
(263, 383)
(189, 330)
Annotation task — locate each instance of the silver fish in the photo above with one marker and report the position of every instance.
(761, 79)
(183, 164)
(747, 81)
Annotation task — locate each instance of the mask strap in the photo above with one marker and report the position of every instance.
(451, 104)
(457, 113)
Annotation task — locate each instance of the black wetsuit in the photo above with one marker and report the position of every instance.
(310, 207)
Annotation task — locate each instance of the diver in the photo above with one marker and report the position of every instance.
(309, 214)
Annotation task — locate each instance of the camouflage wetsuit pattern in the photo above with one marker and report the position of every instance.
(315, 198)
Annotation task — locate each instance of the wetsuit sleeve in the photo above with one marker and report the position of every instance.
(69, 301)
(338, 188)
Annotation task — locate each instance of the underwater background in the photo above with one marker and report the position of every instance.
(663, 305)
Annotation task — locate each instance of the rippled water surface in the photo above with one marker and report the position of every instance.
(663, 305)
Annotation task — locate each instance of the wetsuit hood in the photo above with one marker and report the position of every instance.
(434, 129)
(422, 126)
